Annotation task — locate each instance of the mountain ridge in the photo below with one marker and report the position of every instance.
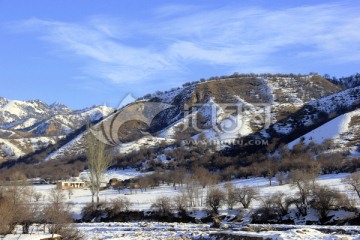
(28, 126)
(278, 91)
(292, 99)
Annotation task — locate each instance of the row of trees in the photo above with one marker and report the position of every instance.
(204, 155)
(308, 195)
(214, 198)
(272, 207)
(20, 205)
(302, 156)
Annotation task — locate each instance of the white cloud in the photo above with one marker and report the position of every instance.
(246, 39)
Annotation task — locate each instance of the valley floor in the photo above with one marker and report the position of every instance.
(157, 230)
(168, 231)
(142, 200)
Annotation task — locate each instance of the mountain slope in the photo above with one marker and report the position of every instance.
(282, 94)
(28, 126)
(310, 117)
(343, 131)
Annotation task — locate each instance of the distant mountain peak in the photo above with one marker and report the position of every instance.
(3, 101)
(27, 126)
(60, 107)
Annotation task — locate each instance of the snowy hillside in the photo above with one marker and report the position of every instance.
(27, 126)
(316, 113)
(341, 130)
(274, 95)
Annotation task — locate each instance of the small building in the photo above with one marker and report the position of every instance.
(64, 185)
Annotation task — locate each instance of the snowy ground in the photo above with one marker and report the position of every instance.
(144, 230)
(38, 236)
(158, 230)
(143, 201)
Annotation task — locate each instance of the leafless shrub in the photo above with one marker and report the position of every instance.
(280, 201)
(57, 213)
(181, 203)
(94, 211)
(326, 199)
(16, 207)
(118, 205)
(304, 181)
(230, 191)
(7, 215)
(353, 182)
(267, 212)
(245, 195)
(162, 205)
(71, 233)
(214, 199)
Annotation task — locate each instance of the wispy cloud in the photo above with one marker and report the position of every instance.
(246, 39)
(101, 46)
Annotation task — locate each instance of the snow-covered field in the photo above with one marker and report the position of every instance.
(158, 230)
(145, 230)
(154, 230)
(37, 236)
(142, 200)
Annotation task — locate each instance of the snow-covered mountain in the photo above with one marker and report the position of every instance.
(27, 126)
(294, 105)
(347, 82)
(334, 117)
(343, 131)
(281, 95)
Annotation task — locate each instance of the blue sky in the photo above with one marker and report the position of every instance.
(88, 52)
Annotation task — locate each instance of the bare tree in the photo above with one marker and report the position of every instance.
(181, 203)
(245, 195)
(230, 195)
(162, 205)
(29, 211)
(7, 213)
(280, 201)
(192, 189)
(98, 160)
(119, 205)
(281, 177)
(353, 181)
(16, 206)
(57, 213)
(271, 169)
(273, 207)
(214, 199)
(178, 176)
(202, 175)
(144, 183)
(326, 199)
(304, 181)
